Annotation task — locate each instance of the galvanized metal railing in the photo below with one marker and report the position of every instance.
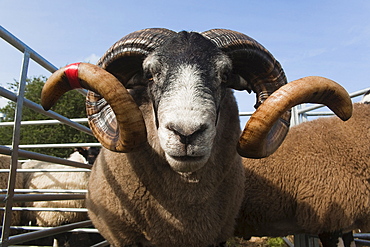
(14, 150)
(303, 111)
(299, 114)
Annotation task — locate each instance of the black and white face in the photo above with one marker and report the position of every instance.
(186, 83)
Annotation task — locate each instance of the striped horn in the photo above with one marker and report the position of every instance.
(258, 69)
(114, 117)
(261, 72)
(258, 139)
(131, 132)
(123, 60)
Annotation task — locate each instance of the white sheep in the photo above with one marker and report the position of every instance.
(317, 182)
(58, 181)
(169, 173)
(5, 161)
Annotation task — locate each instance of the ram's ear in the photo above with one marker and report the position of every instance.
(238, 83)
(136, 80)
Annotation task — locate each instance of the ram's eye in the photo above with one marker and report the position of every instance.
(149, 77)
(152, 75)
(224, 77)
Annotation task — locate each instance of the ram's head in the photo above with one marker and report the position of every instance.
(185, 76)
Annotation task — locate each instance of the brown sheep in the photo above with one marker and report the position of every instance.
(169, 173)
(317, 182)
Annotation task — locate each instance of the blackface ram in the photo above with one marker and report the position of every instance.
(169, 173)
(317, 182)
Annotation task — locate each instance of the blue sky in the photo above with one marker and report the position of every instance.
(319, 37)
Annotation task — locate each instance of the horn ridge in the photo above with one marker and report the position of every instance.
(264, 75)
(268, 126)
(140, 42)
(229, 40)
(114, 117)
(124, 58)
(251, 60)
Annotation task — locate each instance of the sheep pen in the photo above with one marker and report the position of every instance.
(317, 182)
(161, 104)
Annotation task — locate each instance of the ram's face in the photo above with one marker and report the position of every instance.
(187, 75)
(186, 84)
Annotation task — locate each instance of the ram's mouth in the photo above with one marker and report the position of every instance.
(186, 164)
(187, 158)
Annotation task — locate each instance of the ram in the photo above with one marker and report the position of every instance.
(317, 182)
(161, 104)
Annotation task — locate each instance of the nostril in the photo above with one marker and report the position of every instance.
(175, 129)
(178, 131)
(201, 128)
(188, 134)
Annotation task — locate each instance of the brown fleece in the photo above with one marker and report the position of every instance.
(318, 180)
(138, 198)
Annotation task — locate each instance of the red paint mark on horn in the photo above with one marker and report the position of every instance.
(71, 71)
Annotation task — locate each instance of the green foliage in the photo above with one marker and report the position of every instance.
(71, 105)
(256, 242)
(276, 242)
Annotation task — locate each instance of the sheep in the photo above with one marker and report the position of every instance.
(317, 182)
(88, 153)
(5, 161)
(56, 180)
(169, 172)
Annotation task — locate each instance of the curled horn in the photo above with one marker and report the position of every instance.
(114, 117)
(132, 131)
(259, 71)
(258, 138)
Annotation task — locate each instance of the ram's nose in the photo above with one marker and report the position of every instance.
(186, 134)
